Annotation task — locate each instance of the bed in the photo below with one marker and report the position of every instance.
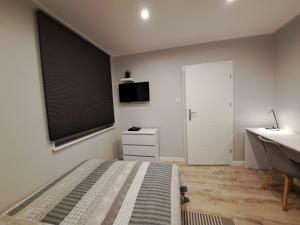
(105, 192)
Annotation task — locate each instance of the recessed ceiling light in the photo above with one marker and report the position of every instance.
(145, 14)
(229, 1)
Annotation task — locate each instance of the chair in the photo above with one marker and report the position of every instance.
(280, 163)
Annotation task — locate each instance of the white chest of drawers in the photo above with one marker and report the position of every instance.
(141, 145)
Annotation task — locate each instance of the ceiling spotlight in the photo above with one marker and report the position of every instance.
(145, 14)
(229, 1)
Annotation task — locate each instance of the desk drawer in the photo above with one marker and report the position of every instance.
(139, 139)
(140, 150)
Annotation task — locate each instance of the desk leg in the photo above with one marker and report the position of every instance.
(255, 155)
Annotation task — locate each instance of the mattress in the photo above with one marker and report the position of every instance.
(105, 192)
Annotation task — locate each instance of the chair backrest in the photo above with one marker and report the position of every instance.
(277, 159)
(296, 164)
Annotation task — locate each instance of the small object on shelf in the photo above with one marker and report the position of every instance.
(134, 129)
(127, 78)
(127, 74)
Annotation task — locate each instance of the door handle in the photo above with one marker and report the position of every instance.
(190, 114)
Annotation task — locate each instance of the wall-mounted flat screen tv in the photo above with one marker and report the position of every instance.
(77, 82)
(134, 92)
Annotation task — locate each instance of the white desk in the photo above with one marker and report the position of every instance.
(254, 153)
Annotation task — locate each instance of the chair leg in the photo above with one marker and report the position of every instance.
(269, 178)
(287, 183)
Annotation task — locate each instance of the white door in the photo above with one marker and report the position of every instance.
(209, 113)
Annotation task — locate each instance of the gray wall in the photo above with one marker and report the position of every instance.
(253, 88)
(287, 76)
(27, 161)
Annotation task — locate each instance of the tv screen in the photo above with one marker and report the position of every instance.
(134, 92)
(77, 82)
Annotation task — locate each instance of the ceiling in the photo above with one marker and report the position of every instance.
(116, 26)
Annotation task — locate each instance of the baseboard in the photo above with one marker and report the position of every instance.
(171, 159)
(237, 163)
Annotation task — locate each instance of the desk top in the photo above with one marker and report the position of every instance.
(282, 137)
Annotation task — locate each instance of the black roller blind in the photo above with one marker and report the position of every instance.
(77, 81)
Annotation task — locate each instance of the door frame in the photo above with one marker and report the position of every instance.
(184, 111)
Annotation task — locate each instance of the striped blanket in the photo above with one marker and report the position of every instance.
(105, 192)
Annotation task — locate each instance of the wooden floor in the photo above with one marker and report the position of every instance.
(235, 192)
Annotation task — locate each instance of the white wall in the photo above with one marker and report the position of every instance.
(26, 160)
(253, 88)
(287, 76)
